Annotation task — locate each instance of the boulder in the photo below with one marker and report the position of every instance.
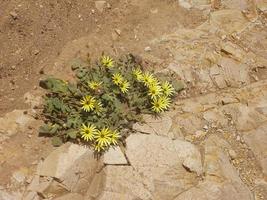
(72, 165)
(222, 181)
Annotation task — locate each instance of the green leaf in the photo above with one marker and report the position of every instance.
(72, 134)
(178, 85)
(48, 129)
(56, 141)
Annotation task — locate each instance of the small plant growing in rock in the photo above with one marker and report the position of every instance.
(107, 98)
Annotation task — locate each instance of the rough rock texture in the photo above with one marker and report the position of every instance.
(211, 145)
(156, 170)
(13, 122)
(71, 165)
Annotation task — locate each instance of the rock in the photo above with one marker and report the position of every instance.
(226, 22)
(237, 4)
(118, 182)
(14, 15)
(234, 73)
(200, 4)
(160, 161)
(14, 121)
(34, 100)
(257, 141)
(193, 165)
(233, 50)
(100, 5)
(262, 5)
(71, 196)
(117, 31)
(215, 191)
(10, 196)
(152, 125)
(114, 156)
(19, 176)
(31, 196)
(68, 163)
(222, 181)
(232, 154)
(148, 49)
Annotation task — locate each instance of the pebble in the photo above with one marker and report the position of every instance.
(118, 31)
(147, 49)
(100, 5)
(13, 67)
(232, 154)
(14, 15)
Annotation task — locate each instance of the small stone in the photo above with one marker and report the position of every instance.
(200, 134)
(14, 15)
(154, 11)
(19, 176)
(232, 154)
(13, 67)
(100, 5)
(148, 49)
(108, 6)
(206, 127)
(36, 52)
(118, 32)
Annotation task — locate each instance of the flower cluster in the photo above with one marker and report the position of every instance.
(101, 139)
(158, 92)
(107, 98)
(123, 84)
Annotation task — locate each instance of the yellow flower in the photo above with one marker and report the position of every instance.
(167, 89)
(138, 74)
(114, 137)
(107, 61)
(102, 137)
(98, 147)
(117, 79)
(124, 86)
(88, 132)
(88, 103)
(148, 79)
(160, 104)
(98, 108)
(94, 85)
(165, 101)
(154, 91)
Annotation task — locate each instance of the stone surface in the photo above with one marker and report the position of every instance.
(228, 21)
(68, 163)
(114, 156)
(100, 5)
(71, 196)
(222, 181)
(14, 122)
(152, 125)
(257, 141)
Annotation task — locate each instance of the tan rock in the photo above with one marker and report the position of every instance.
(68, 163)
(14, 121)
(152, 125)
(114, 156)
(226, 22)
(71, 196)
(257, 141)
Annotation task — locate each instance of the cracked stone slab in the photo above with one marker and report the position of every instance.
(114, 156)
(152, 125)
(257, 141)
(68, 164)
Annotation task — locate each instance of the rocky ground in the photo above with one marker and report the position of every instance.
(211, 145)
